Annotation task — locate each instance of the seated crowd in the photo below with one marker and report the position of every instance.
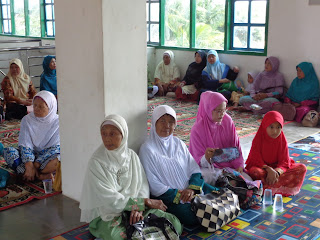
(166, 175)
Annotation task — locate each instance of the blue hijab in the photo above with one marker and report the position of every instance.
(306, 88)
(48, 80)
(215, 70)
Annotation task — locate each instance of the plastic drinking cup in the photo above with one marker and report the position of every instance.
(267, 197)
(47, 184)
(278, 203)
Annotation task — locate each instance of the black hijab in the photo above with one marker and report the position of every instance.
(194, 71)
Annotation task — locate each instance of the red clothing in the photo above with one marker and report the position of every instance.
(182, 96)
(274, 153)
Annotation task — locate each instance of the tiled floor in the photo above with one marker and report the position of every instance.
(42, 219)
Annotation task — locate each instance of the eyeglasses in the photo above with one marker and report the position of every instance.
(220, 111)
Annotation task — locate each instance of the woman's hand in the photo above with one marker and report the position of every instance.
(186, 195)
(30, 172)
(272, 175)
(209, 154)
(135, 217)
(156, 204)
(224, 80)
(260, 96)
(182, 83)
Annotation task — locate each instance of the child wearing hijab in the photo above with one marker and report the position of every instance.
(116, 183)
(38, 154)
(214, 129)
(217, 75)
(188, 89)
(167, 74)
(269, 158)
(268, 87)
(249, 90)
(48, 79)
(304, 90)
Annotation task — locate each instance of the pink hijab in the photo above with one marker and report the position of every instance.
(206, 133)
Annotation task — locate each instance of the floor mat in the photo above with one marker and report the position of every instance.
(299, 220)
(310, 143)
(246, 123)
(17, 192)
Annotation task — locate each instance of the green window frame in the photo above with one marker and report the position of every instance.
(229, 27)
(153, 20)
(6, 16)
(49, 18)
(46, 18)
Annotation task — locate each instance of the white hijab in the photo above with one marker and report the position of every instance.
(166, 73)
(166, 160)
(20, 84)
(112, 178)
(41, 133)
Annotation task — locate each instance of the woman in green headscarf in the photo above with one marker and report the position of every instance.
(304, 90)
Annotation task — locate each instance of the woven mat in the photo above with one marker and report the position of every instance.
(17, 192)
(246, 123)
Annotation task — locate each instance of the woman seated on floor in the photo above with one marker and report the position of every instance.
(191, 83)
(216, 74)
(268, 86)
(167, 74)
(304, 91)
(115, 182)
(269, 158)
(48, 79)
(38, 154)
(174, 177)
(18, 91)
(214, 129)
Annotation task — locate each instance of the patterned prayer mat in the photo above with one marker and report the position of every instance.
(17, 191)
(246, 123)
(300, 218)
(311, 143)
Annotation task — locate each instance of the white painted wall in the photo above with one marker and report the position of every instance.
(79, 50)
(125, 64)
(102, 62)
(293, 38)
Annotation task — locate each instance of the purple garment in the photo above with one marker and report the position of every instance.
(250, 89)
(269, 82)
(206, 133)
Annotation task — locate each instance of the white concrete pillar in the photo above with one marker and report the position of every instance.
(101, 69)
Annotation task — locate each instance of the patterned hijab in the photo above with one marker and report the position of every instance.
(215, 70)
(20, 83)
(306, 88)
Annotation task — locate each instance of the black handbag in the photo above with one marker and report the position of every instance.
(216, 209)
(248, 192)
(151, 227)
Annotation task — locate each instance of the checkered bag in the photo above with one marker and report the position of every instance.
(216, 209)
